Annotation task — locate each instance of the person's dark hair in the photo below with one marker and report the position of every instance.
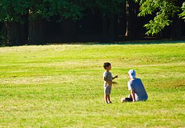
(107, 64)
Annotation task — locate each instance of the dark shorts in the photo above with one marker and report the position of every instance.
(128, 99)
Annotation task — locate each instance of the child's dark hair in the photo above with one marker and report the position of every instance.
(107, 64)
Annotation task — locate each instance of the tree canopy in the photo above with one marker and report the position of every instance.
(13, 10)
(183, 9)
(165, 11)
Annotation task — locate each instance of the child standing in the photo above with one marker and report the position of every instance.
(107, 77)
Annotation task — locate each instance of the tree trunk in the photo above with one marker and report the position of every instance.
(15, 33)
(112, 27)
(69, 30)
(35, 34)
(176, 29)
(105, 26)
(179, 29)
(131, 18)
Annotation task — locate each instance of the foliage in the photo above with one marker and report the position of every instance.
(14, 10)
(106, 7)
(20, 11)
(109, 7)
(65, 8)
(183, 13)
(165, 10)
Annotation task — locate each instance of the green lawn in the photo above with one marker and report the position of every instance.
(61, 86)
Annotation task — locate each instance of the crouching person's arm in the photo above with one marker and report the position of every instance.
(132, 92)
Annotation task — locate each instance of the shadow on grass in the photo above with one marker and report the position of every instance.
(140, 42)
(126, 42)
(114, 82)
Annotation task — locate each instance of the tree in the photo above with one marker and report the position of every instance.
(167, 12)
(40, 9)
(131, 18)
(12, 15)
(14, 12)
(182, 15)
(108, 9)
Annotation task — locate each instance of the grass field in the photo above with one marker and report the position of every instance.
(61, 86)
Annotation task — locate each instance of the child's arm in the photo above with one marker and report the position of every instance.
(109, 82)
(115, 77)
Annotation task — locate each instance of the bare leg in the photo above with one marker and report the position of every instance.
(123, 99)
(109, 98)
(106, 98)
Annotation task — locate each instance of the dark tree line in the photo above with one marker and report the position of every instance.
(41, 21)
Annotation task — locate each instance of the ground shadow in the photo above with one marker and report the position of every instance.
(125, 42)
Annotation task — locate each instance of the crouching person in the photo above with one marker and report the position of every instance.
(136, 88)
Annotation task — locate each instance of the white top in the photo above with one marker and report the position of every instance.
(108, 76)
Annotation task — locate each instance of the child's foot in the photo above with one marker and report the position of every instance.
(106, 102)
(110, 102)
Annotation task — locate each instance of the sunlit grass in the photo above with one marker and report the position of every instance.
(61, 86)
